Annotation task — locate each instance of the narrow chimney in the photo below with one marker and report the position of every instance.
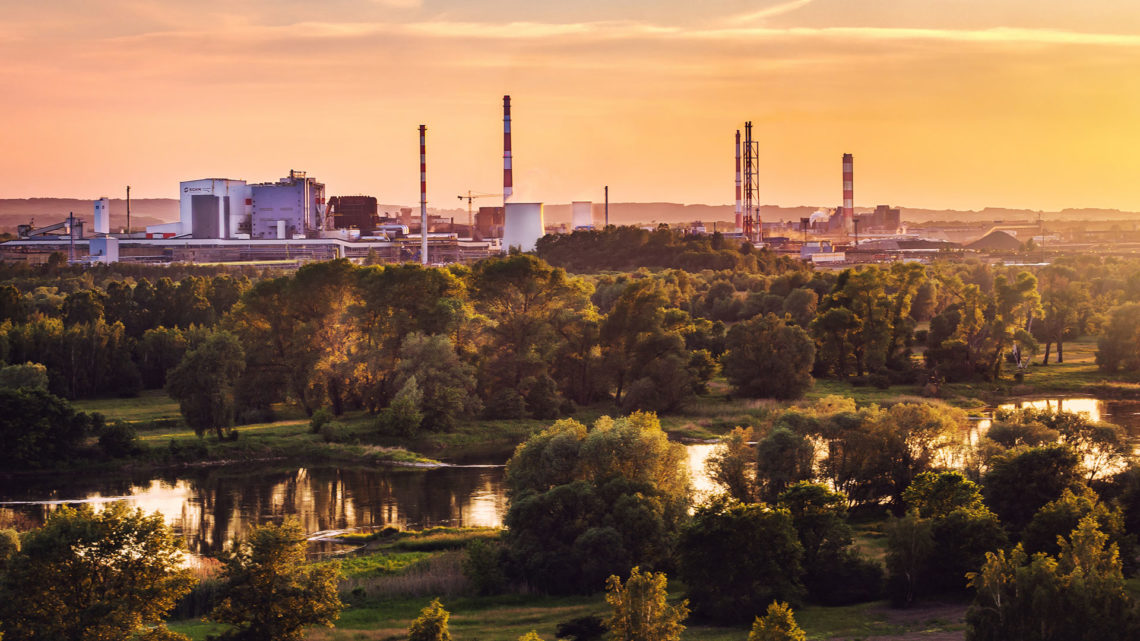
(508, 178)
(739, 211)
(423, 196)
(848, 192)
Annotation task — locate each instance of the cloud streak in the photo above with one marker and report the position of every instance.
(772, 12)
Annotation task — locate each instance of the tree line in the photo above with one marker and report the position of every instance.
(1039, 522)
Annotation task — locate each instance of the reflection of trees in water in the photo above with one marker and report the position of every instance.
(225, 505)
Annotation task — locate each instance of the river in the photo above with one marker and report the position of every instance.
(210, 507)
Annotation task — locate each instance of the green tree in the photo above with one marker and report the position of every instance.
(736, 558)
(730, 465)
(39, 429)
(639, 611)
(159, 350)
(800, 306)
(1076, 596)
(431, 625)
(403, 416)
(204, 382)
(949, 508)
(447, 384)
(782, 458)
(1063, 296)
(1118, 348)
(910, 540)
(769, 358)
(937, 494)
(269, 594)
(86, 577)
(777, 624)
(83, 307)
(28, 376)
(835, 331)
(1057, 518)
(585, 504)
(1019, 482)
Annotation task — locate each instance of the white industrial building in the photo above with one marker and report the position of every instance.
(226, 209)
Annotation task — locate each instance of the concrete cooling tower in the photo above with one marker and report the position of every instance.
(522, 225)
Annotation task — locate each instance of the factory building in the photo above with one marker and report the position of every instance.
(293, 207)
(208, 208)
(354, 212)
(489, 222)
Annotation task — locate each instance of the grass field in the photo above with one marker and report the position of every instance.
(506, 618)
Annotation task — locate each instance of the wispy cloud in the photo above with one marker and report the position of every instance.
(773, 11)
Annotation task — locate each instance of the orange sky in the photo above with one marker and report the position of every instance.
(945, 103)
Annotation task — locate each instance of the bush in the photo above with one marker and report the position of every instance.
(506, 403)
(334, 432)
(880, 381)
(403, 416)
(483, 568)
(736, 559)
(119, 440)
(431, 625)
(319, 419)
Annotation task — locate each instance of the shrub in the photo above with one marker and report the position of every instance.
(119, 440)
(737, 558)
(319, 419)
(777, 624)
(506, 403)
(431, 625)
(483, 568)
(403, 416)
(334, 432)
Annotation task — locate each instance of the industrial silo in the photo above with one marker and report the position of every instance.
(522, 225)
(581, 214)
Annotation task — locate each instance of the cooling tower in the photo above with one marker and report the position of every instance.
(581, 214)
(522, 225)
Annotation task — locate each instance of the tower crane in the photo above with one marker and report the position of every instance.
(470, 197)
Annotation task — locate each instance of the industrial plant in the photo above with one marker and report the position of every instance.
(293, 220)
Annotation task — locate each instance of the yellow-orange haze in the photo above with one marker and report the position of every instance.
(944, 103)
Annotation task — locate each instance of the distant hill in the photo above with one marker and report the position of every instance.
(45, 211)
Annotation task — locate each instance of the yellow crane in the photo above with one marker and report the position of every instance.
(470, 197)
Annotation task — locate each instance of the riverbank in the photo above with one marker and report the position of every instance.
(355, 440)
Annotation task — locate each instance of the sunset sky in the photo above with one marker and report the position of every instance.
(944, 103)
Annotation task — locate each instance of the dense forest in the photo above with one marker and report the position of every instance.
(1036, 520)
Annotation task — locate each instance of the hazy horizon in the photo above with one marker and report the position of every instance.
(955, 105)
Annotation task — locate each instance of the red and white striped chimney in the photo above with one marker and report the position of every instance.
(848, 192)
(423, 196)
(508, 177)
(739, 211)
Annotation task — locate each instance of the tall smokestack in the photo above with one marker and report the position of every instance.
(508, 177)
(848, 192)
(423, 196)
(739, 211)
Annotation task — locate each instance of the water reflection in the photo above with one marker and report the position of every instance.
(210, 508)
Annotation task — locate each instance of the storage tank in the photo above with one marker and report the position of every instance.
(522, 225)
(581, 214)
